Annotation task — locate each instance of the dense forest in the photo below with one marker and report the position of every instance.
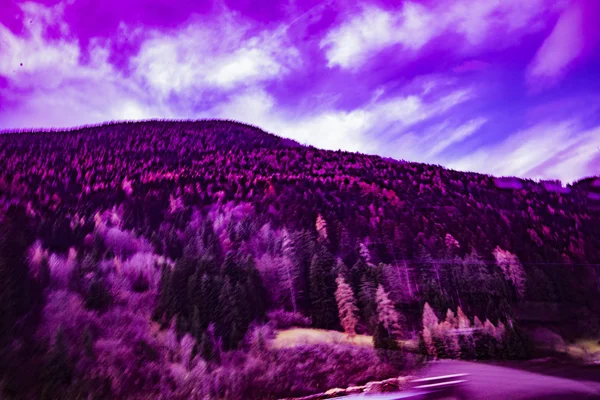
(158, 259)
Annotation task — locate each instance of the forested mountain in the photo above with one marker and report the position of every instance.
(153, 258)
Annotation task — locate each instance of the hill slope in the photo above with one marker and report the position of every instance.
(214, 225)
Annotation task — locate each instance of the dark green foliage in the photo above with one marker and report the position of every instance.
(44, 273)
(19, 294)
(98, 296)
(322, 288)
(367, 303)
(58, 368)
(387, 347)
(140, 283)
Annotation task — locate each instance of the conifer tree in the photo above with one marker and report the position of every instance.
(322, 288)
(512, 269)
(387, 346)
(430, 326)
(430, 320)
(451, 319)
(462, 320)
(346, 306)
(321, 227)
(386, 312)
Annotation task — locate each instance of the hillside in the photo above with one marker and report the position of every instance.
(211, 227)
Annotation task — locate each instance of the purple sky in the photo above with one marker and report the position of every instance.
(509, 87)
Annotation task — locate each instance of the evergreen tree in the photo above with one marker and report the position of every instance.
(386, 346)
(58, 367)
(430, 327)
(321, 227)
(430, 320)
(386, 312)
(512, 269)
(346, 306)
(208, 348)
(462, 320)
(322, 288)
(18, 293)
(161, 310)
(367, 303)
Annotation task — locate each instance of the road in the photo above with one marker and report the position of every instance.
(490, 382)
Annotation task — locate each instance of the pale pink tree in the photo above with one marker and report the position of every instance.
(512, 269)
(346, 306)
(321, 226)
(386, 312)
(462, 319)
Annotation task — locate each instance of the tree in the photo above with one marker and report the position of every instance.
(430, 320)
(512, 269)
(430, 325)
(386, 312)
(346, 306)
(18, 293)
(321, 227)
(386, 346)
(289, 278)
(324, 309)
(451, 319)
(428, 342)
(462, 320)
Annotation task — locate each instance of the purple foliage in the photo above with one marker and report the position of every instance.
(286, 319)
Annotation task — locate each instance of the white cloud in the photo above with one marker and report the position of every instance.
(546, 150)
(54, 87)
(31, 54)
(413, 26)
(447, 135)
(374, 29)
(220, 54)
(362, 129)
(561, 47)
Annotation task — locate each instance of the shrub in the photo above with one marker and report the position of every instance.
(287, 319)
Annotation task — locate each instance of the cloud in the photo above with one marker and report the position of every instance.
(562, 46)
(222, 53)
(562, 150)
(62, 84)
(366, 129)
(375, 29)
(54, 87)
(414, 26)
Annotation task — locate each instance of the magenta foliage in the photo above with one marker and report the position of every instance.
(286, 319)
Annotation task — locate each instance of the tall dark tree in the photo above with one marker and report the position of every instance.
(322, 290)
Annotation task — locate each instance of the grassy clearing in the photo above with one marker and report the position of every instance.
(301, 336)
(586, 350)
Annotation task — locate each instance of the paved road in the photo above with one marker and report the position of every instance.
(501, 382)
(493, 382)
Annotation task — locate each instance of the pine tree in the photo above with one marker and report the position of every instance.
(322, 288)
(451, 319)
(386, 346)
(346, 306)
(512, 269)
(340, 268)
(386, 312)
(428, 342)
(477, 323)
(367, 303)
(462, 320)
(430, 326)
(321, 227)
(430, 320)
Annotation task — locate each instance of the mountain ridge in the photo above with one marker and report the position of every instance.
(197, 123)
